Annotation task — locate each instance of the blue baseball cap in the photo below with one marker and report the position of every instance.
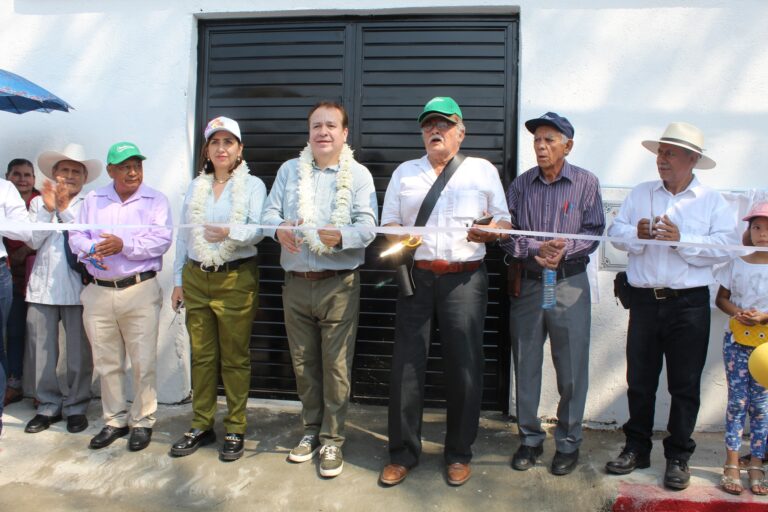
(556, 121)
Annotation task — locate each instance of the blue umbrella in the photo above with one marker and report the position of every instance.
(19, 95)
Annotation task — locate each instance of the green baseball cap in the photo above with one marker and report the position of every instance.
(442, 106)
(122, 151)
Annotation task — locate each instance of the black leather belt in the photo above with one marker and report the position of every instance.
(127, 281)
(666, 293)
(224, 267)
(563, 271)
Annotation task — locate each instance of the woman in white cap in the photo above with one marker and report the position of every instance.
(216, 276)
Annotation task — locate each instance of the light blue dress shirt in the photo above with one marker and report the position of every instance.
(283, 203)
(218, 212)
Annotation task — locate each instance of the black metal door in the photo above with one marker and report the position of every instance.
(268, 73)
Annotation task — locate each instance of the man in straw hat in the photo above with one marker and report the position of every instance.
(669, 311)
(53, 293)
(121, 308)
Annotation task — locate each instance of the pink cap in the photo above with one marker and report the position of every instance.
(757, 210)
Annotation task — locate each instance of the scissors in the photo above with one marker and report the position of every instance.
(92, 260)
(410, 243)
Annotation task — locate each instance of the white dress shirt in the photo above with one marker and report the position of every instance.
(475, 188)
(702, 216)
(12, 209)
(52, 281)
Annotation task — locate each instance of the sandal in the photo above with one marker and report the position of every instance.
(758, 486)
(731, 485)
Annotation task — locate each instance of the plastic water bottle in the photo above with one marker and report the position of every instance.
(549, 283)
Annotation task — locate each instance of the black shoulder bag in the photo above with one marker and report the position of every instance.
(403, 270)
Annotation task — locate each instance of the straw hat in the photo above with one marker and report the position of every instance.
(74, 152)
(686, 136)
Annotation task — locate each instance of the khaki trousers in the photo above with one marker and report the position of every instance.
(123, 323)
(220, 308)
(321, 323)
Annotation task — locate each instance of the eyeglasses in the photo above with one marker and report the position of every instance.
(441, 125)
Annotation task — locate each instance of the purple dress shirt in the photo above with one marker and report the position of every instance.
(143, 248)
(570, 204)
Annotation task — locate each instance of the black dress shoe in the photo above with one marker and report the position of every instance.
(76, 423)
(107, 436)
(41, 422)
(525, 457)
(140, 437)
(564, 463)
(627, 462)
(233, 447)
(677, 476)
(191, 441)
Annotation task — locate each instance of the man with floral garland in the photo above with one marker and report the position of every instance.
(314, 196)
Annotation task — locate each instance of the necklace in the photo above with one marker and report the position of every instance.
(217, 254)
(341, 215)
(221, 182)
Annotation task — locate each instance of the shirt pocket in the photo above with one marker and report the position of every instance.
(467, 204)
(694, 227)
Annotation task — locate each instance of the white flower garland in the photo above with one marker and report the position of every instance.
(342, 212)
(216, 254)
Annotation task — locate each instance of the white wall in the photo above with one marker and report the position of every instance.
(620, 70)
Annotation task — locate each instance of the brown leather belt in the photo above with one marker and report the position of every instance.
(126, 281)
(440, 267)
(320, 275)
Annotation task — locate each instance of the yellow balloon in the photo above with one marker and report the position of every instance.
(758, 364)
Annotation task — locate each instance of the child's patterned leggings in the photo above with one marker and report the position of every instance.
(744, 394)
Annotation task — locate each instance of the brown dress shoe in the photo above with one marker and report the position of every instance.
(458, 473)
(393, 474)
(12, 395)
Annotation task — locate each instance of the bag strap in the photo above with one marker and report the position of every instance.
(74, 264)
(430, 200)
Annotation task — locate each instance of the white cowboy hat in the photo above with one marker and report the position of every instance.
(74, 152)
(686, 136)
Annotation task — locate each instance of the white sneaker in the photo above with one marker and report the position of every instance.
(331, 461)
(306, 449)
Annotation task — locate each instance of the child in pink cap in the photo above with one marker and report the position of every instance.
(743, 295)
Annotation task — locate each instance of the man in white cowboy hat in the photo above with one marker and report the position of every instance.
(669, 311)
(53, 293)
(121, 307)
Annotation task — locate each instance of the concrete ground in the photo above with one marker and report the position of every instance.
(54, 470)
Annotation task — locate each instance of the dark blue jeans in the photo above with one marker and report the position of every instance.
(6, 296)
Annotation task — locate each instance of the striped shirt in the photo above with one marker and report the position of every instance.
(570, 204)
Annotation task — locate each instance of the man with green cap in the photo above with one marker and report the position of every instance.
(450, 283)
(121, 307)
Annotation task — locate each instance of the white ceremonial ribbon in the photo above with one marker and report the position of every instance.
(10, 227)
